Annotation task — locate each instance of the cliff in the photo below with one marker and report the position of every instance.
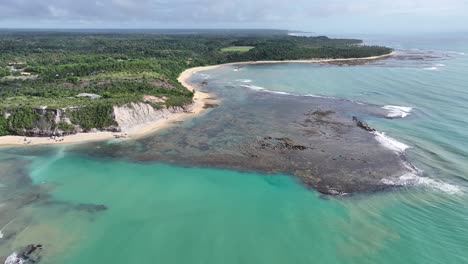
(131, 116)
(45, 122)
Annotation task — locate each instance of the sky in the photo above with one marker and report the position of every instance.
(320, 16)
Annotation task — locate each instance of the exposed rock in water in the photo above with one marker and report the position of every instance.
(29, 254)
(363, 125)
(91, 208)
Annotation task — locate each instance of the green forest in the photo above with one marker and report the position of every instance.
(51, 69)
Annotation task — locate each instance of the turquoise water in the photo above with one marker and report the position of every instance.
(160, 213)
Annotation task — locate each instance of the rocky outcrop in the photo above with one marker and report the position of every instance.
(29, 254)
(363, 125)
(133, 115)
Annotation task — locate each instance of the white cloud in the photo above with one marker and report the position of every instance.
(264, 13)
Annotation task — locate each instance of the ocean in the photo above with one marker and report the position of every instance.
(134, 202)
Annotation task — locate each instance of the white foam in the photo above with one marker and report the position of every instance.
(390, 143)
(435, 67)
(1, 234)
(253, 87)
(277, 92)
(14, 259)
(244, 80)
(456, 52)
(259, 88)
(397, 111)
(411, 179)
(320, 96)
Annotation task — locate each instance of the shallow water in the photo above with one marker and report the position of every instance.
(156, 212)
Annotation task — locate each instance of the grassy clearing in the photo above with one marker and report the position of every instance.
(237, 49)
(123, 75)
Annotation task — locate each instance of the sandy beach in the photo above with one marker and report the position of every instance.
(199, 100)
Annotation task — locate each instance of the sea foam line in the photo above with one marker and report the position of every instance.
(263, 89)
(397, 111)
(259, 88)
(412, 178)
(390, 143)
(254, 87)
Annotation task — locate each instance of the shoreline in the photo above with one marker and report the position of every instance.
(211, 67)
(199, 101)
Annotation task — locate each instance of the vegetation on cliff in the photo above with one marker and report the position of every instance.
(93, 116)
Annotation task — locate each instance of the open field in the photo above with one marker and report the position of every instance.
(237, 49)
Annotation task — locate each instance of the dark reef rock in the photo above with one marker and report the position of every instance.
(91, 208)
(207, 106)
(363, 125)
(278, 144)
(313, 139)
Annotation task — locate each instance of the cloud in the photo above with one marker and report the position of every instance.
(202, 12)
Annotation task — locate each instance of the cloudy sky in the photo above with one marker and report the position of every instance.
(336, 16)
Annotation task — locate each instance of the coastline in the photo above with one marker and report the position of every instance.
(199, 100)
(204, 68)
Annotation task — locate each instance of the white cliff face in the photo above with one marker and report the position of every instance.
(133, 115)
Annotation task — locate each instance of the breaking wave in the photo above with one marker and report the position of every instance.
(390, 143)
(397, 111)
(254, 87)
(412, 179)
(259, 88)
(14, 259)
(263, 89)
